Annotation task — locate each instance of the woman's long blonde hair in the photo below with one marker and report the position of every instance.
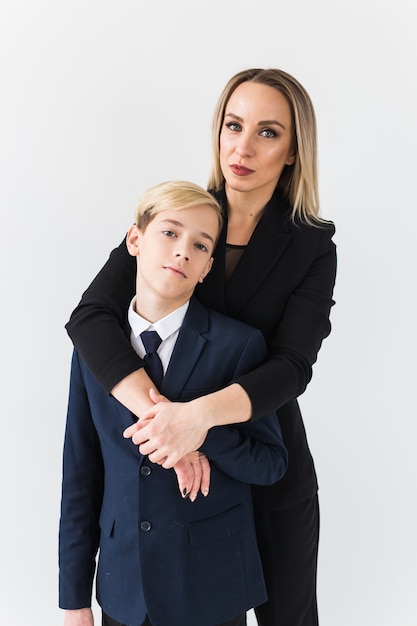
(299, 181)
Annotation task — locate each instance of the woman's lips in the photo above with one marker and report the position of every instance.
(240, 170)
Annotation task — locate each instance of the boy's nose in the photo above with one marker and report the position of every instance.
(183, 250)
(182, 254)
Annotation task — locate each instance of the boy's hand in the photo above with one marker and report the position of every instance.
(193, 475)
(193, 469)
(79, 617)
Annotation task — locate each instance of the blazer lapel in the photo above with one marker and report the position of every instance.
(268, 242)
(187, 350)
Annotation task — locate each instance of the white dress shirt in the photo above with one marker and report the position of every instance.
(167, 328)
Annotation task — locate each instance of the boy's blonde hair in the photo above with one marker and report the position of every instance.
(173, 195)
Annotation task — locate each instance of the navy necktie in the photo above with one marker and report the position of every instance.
(153, 365)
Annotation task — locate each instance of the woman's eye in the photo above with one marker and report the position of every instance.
(267, 132)
(233, 126)
(169, 233)
(201, 246)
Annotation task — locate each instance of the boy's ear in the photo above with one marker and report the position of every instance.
(132, 240)
(206, 271)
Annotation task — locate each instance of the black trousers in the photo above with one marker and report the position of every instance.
(237, 621)
(108, 621)
(288, 544)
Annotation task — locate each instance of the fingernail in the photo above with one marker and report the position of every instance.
(205, 493)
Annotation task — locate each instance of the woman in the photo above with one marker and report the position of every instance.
(274, 268)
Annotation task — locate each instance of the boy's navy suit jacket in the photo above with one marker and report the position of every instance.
(183, 563)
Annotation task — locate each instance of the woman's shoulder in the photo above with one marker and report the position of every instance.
(316, 229)
(311, 241)
(282, 211)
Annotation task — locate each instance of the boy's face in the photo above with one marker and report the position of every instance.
(174, 253)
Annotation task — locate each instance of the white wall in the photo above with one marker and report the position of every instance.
(101, 99)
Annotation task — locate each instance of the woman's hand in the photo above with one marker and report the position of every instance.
(167, 432)
(192, 468)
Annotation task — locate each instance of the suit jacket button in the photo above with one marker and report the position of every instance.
(145, 526)
(145, 470)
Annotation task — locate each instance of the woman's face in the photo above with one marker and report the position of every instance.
(256, 138)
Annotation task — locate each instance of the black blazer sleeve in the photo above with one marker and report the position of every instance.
(96, 326)
(300, 328)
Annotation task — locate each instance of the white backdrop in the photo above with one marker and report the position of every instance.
(101, 99)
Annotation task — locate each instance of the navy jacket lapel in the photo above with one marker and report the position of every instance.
(187, 350)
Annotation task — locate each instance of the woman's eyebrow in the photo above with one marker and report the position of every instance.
(261, 123)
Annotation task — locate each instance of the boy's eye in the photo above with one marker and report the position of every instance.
(202, 247)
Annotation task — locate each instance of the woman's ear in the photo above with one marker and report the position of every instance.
(133, 240)
(291, 159)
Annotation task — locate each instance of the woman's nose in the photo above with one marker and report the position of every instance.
(243, 147)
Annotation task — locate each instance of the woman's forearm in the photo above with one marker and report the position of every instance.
(230, 405)
(178, 428)
(97, 326)
(133, 392)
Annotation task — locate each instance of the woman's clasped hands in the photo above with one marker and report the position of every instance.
(170, 436)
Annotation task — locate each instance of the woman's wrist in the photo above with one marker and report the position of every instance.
(230, 405)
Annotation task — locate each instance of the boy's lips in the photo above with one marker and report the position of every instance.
(177, 271)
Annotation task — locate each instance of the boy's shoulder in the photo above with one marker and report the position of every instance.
(219, 322)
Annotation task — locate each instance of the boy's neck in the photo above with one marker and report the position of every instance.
(155, 310)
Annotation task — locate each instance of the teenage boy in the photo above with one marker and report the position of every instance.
(163, 560)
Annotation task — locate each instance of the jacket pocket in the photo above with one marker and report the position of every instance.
(221, 525)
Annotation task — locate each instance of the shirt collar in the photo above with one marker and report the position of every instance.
(165, 327)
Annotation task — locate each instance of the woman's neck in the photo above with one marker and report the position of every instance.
(244, 212)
